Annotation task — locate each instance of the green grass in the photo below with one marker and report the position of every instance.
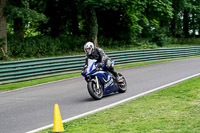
(18, 85)
(172, 110)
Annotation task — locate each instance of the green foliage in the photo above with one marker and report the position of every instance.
(186, 18)
(45, 46)
(159, 36)
(192, 41)
(27, 14)
(30, 17)
(23, 11)
(145, 44)
(118, 23)
(111, 43)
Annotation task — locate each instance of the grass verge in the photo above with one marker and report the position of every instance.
(13, 86)
(171, 110)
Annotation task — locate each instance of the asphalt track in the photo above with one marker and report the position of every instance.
(30, 108)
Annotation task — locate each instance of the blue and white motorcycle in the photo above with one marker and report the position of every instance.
(101, 82)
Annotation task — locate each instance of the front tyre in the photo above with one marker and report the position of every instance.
(96, 93)
(123, 85)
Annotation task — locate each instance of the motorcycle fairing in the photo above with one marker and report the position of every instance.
(107, 80)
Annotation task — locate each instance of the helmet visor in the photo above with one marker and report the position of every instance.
(87, 50)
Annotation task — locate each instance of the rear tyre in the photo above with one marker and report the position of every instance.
(122, 85)
(95, 93)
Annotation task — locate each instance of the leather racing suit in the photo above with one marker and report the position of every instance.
(99, 55)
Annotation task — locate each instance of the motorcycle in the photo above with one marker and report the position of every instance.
(100, 82)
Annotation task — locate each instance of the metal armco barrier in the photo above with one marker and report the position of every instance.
(15, 71)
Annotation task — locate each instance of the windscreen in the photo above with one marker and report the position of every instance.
(90, 62)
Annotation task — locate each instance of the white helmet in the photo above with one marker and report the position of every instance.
(89, 47)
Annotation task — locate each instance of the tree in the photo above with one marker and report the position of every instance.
(21, 15)
(155, 20)
(3, 32)
(176, 22)
(114, 20)
(92, 25)
(195, 17)
(185, 20)
(18, 22)
(62, 17)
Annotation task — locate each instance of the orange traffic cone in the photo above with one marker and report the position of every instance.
(57, 122)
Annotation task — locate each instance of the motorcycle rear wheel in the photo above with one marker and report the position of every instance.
(95, 93)
(123, 85)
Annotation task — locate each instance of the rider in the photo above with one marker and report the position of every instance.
(98, 54)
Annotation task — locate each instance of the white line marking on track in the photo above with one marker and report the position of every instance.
(117, 103)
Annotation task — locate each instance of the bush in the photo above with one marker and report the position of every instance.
(110, 43)
(44, 46)
(146, 44)
(159, 37)
(192, 41)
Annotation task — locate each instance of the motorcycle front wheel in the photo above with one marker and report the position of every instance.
(96, 93)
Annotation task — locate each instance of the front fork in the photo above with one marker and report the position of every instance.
(97, 81)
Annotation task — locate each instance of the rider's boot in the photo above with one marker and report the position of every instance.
(118, 78)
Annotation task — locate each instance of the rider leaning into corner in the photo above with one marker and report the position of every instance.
(98, 54)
